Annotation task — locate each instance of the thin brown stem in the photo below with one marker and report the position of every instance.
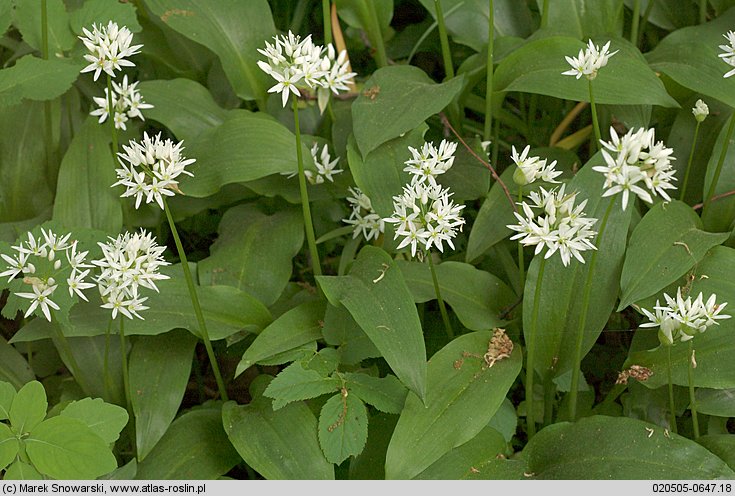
(716, 197)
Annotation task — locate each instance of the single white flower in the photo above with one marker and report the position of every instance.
(109, 47)
(41, 297)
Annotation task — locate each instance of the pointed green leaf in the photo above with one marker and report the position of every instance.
(624, 448)
(13, 367)
(7, 394)
(28, 408)
(8, 446)
(387, 394)
(104, 419)
(60, 37)
(376, 295)
(722, 445)
(19, 470)
(462, 395)
(296, 383)
(667, 242)
(65, 448)
(343, 427)
(100, 12)
(194, 447)
(396, 100)
(279, 445)
(341, 330)
(36, 79)
(219, 27)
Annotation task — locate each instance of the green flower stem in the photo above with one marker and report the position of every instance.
(672, 406)
(635, 21)
(692, 399)
(684, 183)
(576, 367)
(66, 352)
(367, 9)
(306, 209)
(444, 39)
(595, 122)
(718, 170)
(487, 131)
(644, 22)
(124, 361)
(327, 17)
(442, 307)
(195, 304)
(702, 11)
(521, 261)
(545, 14)
(48, 132)
(531, 352)
(106, 362)
(111, 118)
(549, 394)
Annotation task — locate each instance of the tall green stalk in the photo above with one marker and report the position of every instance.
(720, 162)
(684, 183)
(48, 131)
(124, 360)
(442, 307)
(595, 122)
(545, 14)
(487, 131)
(635, 21)
(692, 398)
(579, 341)
(531, 352)
(111, 118)
(367, 9)
(327, 20)
(66, 352)
(672, 405)
(305, 208)
(444, 39)
(195, 304)
(702, 11)
(521, 261)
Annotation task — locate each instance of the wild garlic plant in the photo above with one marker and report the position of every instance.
(700, 112)
(126, 103)
(364, 219)
(325, 166)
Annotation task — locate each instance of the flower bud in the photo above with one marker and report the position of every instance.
(519, 177)
(57, 265)
(700, 111)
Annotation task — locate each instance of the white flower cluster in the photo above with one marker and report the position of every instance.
(325, 166)
(530, 169)
(129, 262)
(552, 220)
(424, 214)
(729, 56)
(127, 103)
(638, 161)
(151, 169)
(36, 260)
(364, 219)
(700, 111)
(295, 63)
(683, 318)
(589, 61)
(108, 48)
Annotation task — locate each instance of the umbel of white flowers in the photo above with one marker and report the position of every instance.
(589, 61)
(127, 103)
(531, 169)
(700, 111)
(109, 47)
(637, 164)
(37, 261)
(424, 214)
(150, 169)
(551, 220)
(683, 319)
(299, 63)
(363, 217)
(325, 166)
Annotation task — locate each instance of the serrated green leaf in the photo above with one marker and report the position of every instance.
(396, 100)
(324, 362)
(624, 448)
(387, 394)
(194, 447)
(65, 448)
(666, 243)
(462, 395)
(219, 27)
(27, 16)
(295, 383)
(33, 78)
(7, 394)
(343, 427)
(13, 367)
(8, 446)
(385, 311)
(104, 419)
(460, 461)
(28, 408)
(100, 12)
(19, 470)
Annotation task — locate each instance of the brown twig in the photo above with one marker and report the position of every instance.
(566, 122)
(716, 197)
(446, 123)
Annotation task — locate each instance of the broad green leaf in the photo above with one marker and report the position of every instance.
(378, 298)
(623, 448)
(19, 470)
(28, 408)
(667, 242)
(714, 349)
(100, 12)
(33, 78)
(65, 448)
(477, 297)
(182, 105)
(673, 15)
(562, 288)
(194, 447)
(254, 252)
(83, 194)
(294, 328)
(537, 68)
(126, 472)
(341, 330)
(460, 462)
(6, 14)
(462, 395)
(271, 149)
(343, 427)
(91, 354)
(219, 26)
(159, 373)
(279, 445)
(370, 463)
(367, 15)
(717, 402)
(387, 394)
(396, 100)
(27, 20)
(7, 394)
(13, 367)
(689, 57)
(104, 419)
(720, 214)
(722, 445)
(226, 311)
(585, 18)
(8, 446)
(296, 383)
